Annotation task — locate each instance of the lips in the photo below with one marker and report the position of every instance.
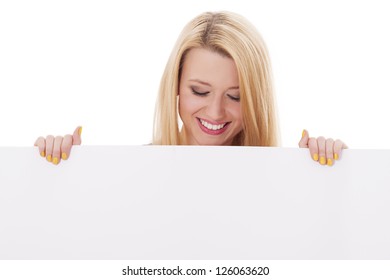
(212, 128)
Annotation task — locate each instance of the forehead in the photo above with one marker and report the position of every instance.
(209, 66)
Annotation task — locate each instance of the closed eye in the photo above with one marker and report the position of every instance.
(235, 98)
(199, 93)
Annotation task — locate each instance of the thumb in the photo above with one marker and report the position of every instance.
(77, 135)
(304, 143)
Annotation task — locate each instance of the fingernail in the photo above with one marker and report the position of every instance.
(80, 130)
(322, 160)
(330, 162)
(303, 133)
(336, 156)
(55, 161)
(315, 157)
(49, 158)
(43, 154)
(64, 156)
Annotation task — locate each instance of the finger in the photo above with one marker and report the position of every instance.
(337, 147)
(66, 146)
(77, 135)
(57, 150)
(304, 142)
(329, 151)
(49, 147)
(313, 147)
(41, 144)
(321, 150)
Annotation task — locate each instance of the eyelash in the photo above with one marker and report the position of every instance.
(199, 93)
(234, 98)
(237, 99)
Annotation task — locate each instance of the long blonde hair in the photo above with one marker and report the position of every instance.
(230, 35)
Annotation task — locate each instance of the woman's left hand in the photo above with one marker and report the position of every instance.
(323, 150)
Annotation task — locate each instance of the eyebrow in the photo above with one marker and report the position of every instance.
(207, 84)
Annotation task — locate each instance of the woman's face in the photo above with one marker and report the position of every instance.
(209, 98)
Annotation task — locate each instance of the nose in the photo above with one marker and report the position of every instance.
(216, 108)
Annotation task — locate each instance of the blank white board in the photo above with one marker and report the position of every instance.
(177, 202)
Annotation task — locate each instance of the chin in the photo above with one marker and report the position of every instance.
(212, 143)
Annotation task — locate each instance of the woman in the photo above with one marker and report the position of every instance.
(218, 81)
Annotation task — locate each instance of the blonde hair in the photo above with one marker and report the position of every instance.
(233, 36)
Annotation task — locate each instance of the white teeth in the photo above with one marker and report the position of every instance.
(212, 126)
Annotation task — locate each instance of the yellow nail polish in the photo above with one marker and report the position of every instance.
(330, 162)
(336, 156)
(80, 130)
(55, 161)
(315, 157)
(303, 133)
(49, 158)
(322, 160)
(43, 154)
(64, 156)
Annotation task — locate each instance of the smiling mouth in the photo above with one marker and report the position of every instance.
(213, 128)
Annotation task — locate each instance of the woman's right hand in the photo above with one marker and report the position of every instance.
(57, 148)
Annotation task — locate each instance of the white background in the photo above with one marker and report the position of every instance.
(279, 270)
(98, 64)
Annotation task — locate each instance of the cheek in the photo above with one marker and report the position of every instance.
(185, 109)
(182, 106)
(236, 113)
(188, 105)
